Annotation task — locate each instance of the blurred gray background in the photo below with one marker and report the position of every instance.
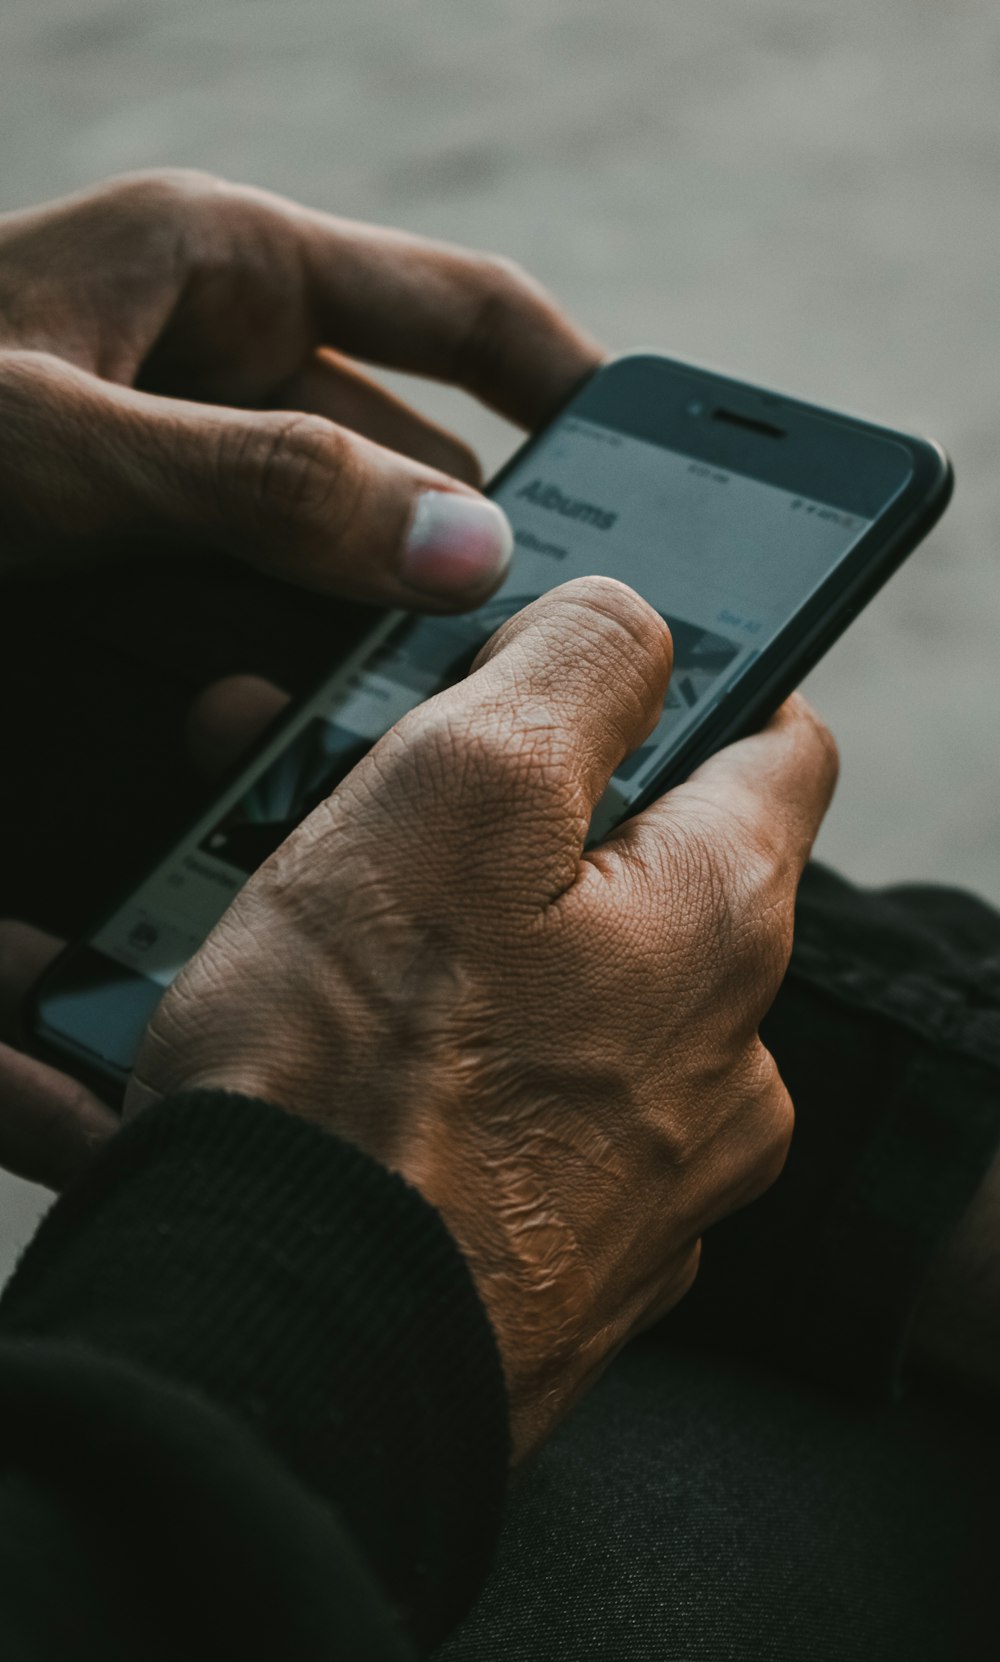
(805, 194)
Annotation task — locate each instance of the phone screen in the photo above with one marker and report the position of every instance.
(726, 558)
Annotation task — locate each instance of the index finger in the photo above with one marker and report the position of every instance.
(765, 795)
(433, 309)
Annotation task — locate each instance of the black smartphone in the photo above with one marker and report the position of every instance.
(756, 524)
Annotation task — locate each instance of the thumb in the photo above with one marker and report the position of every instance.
(86, 460)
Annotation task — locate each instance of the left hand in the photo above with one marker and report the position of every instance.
(172, 361)
(175, 359)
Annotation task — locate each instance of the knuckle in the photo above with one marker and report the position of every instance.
(28, 378)
(504, 756)
(762, 925)
(678, 859)
(501, 293)
(758, 862)
(161, 191)
(47, 473)
(740, 899)
(492, 769)
(502, 282)
(760, 886)
(153, 217)
(293, 468)
(485, 749)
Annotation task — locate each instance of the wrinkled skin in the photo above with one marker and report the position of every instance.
(563, 1049)
(178, 359)
(558, 1048)
(172, 362)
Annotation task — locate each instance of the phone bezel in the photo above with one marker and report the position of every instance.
(651, 390)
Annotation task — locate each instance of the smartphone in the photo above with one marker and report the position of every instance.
(756, 524)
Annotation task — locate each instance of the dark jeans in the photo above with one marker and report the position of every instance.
(762, 1476)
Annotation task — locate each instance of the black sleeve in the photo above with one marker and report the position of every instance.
(887, 1034)
(250, 1403)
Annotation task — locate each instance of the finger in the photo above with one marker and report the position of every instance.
(558, 698)
(198, 255)
(50, 1126)
(297, 496)
(776, 785)
(386, 296)
(227, 718)
(433, 309)
(763, 798)
(328, 385)
(25, 954)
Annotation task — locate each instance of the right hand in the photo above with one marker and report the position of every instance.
(558, 1048)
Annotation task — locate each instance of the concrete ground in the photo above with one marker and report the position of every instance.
(802, 193)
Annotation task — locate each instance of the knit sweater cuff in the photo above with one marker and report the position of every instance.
(232, 1248)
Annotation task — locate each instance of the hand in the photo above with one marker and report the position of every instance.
(558, 1048)
(171, 362)
(50, 1125)
(127, 315)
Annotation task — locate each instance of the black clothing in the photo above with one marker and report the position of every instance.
(246, 1367)
(251, 1404)
(887, 1034)
(227, 1280)
(698, 1511)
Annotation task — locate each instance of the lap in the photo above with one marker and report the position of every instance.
(699, 1508)
(765, 1477)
